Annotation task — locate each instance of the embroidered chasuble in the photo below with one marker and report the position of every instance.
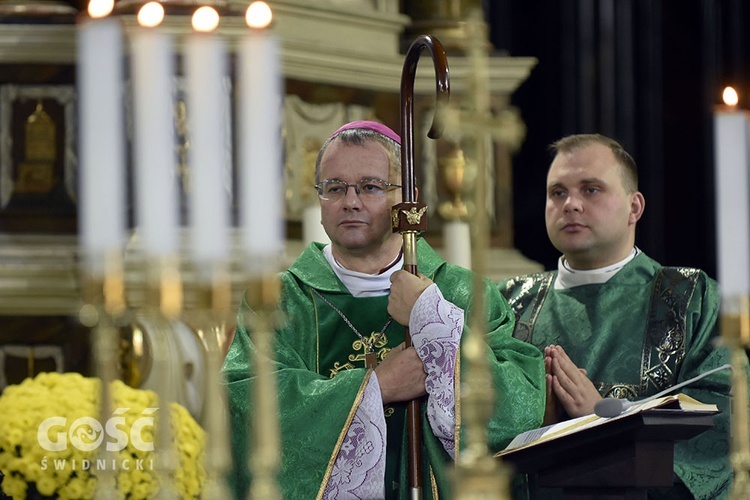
(646, 329)
(322, 380)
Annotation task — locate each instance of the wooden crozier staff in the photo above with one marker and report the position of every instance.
(409, 216)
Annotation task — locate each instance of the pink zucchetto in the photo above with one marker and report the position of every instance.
(370, 125)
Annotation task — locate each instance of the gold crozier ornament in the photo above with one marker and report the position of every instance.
(414, 216)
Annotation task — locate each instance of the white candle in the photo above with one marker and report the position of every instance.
(261, 193)
(312, 228)
(457, 243)
(206, 71)
(101, 211)
(155, 179)
(732, 154)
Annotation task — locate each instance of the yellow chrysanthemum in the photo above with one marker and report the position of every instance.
(70, 471)
(14, 486)
(46, 485)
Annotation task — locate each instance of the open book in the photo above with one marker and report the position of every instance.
(556, 431)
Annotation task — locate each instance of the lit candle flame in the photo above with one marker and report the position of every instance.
(730, 96)
(258, 15)
(205, 19)
(151, 15)
(100, 8)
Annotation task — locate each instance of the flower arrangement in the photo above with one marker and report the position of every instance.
(55, 446)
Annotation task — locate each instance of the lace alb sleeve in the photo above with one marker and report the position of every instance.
(436, 326)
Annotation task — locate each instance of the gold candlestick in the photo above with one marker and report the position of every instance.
(263, 296)
(478, 474)
(735, 332)
(209, 319)
(163, 305)
(104, 296)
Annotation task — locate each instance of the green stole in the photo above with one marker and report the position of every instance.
(663, 346)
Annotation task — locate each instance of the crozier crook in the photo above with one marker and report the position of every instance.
(409, 216)
(442, 95)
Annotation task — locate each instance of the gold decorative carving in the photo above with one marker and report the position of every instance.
(448, 21)
(414, 216)
(37, 145)
(36, 174)
(183, 143)
(41, 9)
(458, 175)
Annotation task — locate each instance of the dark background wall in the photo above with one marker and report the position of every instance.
(645, 72)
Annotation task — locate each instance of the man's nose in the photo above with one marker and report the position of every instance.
(573, 204)
(351, 196)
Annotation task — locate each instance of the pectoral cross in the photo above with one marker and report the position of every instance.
(370, 346)
(371, 358)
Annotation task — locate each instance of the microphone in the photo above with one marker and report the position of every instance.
(612, 407)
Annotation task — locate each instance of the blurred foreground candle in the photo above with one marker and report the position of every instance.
(206, 69)
(732, 154)
(102, 175)
(155, 180)
(261, 193)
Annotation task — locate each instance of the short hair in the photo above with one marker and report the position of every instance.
(358, 137)
(629, 170)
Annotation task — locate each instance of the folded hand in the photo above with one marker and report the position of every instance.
(569, 383)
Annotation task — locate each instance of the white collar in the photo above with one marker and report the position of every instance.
(567, 277)
(363, 284)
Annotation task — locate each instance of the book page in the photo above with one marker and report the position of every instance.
(555, 431)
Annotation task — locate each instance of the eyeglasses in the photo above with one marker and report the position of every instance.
(366, 189)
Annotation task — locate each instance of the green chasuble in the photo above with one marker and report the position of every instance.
(646, 329)
(320, 376)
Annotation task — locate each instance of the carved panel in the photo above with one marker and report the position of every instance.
(38, 156)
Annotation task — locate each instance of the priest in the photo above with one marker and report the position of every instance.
(612, 321)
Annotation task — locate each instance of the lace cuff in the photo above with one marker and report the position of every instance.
(436, 326)
(359, 469)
